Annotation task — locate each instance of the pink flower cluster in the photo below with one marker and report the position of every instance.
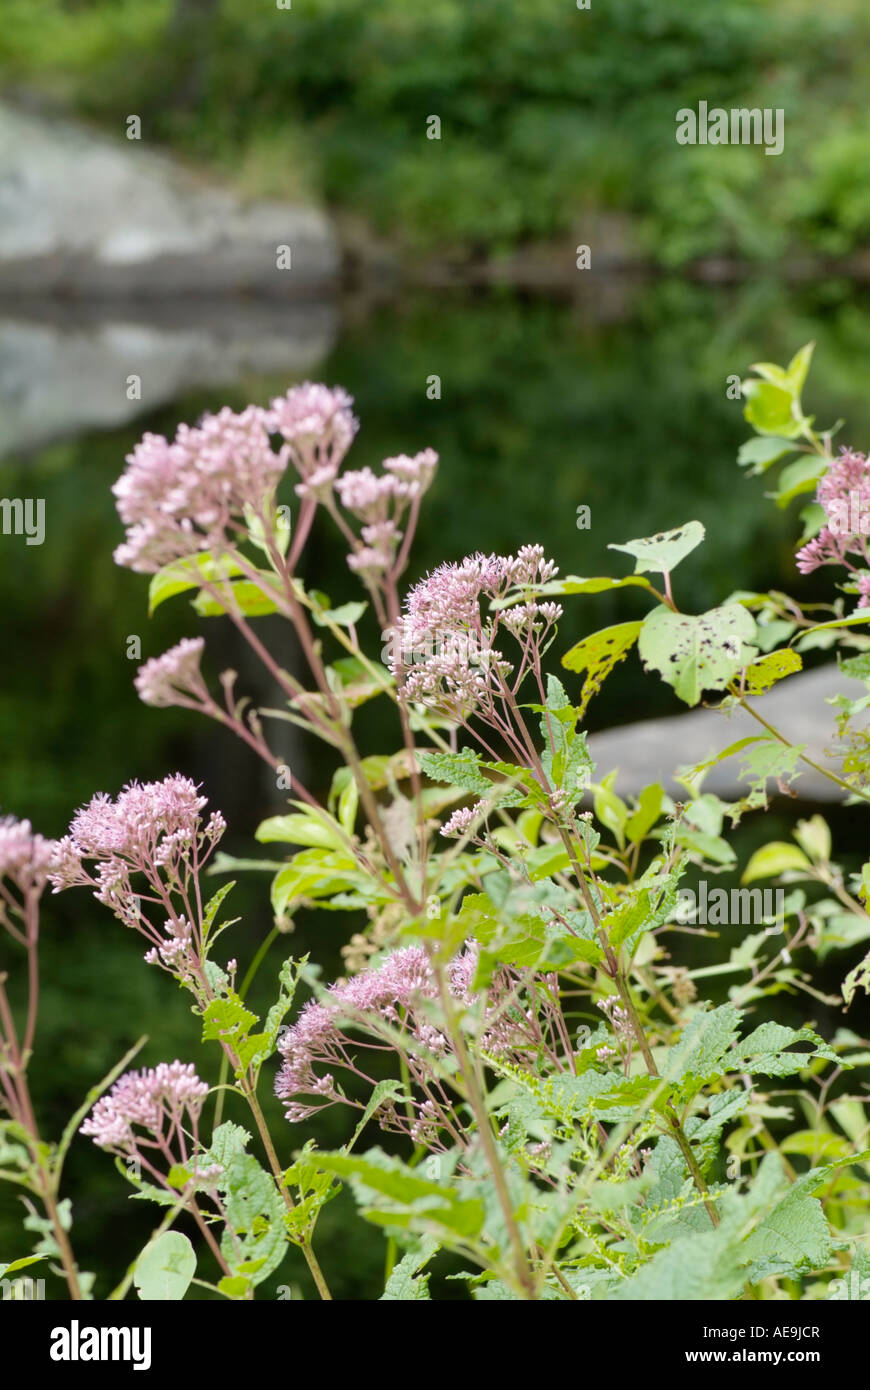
(844, 493)
(155, 830)
(160, 1101)
(381, 502)
(26, 859)
(463, 670)
(318, 425)
(400, 1000)
(175, 677)
(182, 498)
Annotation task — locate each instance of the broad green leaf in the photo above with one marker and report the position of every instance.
(798, 477)
(457, 769)
(598, 654)
(773, 859)
(769, 409)
(761, 451)
(243, 594)
(697, 653)
(311, 830)
(165, 1268)
(181, 575)
(662, 553)
(345, 615)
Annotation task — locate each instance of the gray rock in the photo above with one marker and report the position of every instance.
(87, 215)
(653, 749)
(64, 372)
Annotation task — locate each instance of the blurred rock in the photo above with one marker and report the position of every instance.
(64, 370)
(81, 214)
(652, 749)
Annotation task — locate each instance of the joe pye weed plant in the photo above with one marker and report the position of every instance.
(566, 1114)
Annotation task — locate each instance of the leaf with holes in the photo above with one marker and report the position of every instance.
(763, 675)
(694, 653)
(598, 654)
(663, 552)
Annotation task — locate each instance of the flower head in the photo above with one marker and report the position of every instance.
(26, 859)
(185, 497)
(175, 677)
(444, 653)
(318, 425)
(844, 494)
(160, 1101)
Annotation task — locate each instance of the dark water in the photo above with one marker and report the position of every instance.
(616, 401)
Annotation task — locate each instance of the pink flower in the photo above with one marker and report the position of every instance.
(444, 656)
(25, 859)
(179, 499)
(155, 830)
(171, 678)
(844, 493)
(319, 427)
(159, 1101)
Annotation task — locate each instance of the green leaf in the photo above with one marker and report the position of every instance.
(313, 873)
(311, 830)
(181, 575)
(763, 675)
(856, 619)
(623, 923)
(649, 805)
(573, 584)
(799, 366)
(165, 1268)
(346, 615)
(598, 654)
(406, 1283)
(388, 1090)
(20, 1264)
(406, 1199)
(457, 769)
(797, 478)
(697, 653)
(243, 594)
(774, 858)
(662, 553)
(769, 409)
(765, 1051)
(761, 451)
(256, 1242)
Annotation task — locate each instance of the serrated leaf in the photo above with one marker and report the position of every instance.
(256, 1242)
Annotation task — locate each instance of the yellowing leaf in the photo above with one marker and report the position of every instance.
(598, 654)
